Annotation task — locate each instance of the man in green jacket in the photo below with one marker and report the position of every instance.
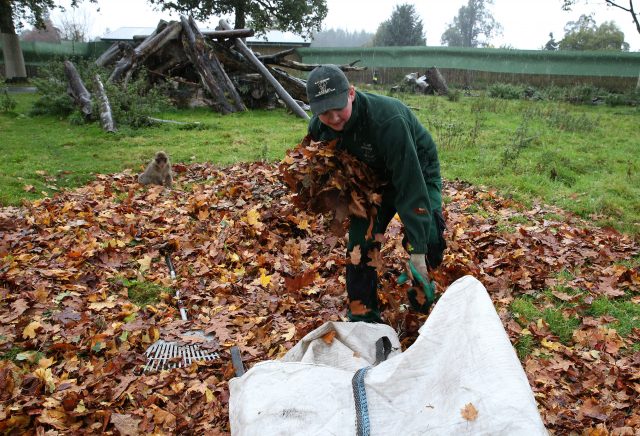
(385, 134)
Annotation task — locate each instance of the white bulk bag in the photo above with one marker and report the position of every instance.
(462, 356)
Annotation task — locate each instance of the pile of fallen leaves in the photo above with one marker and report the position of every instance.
(258, 273)
(326, 180)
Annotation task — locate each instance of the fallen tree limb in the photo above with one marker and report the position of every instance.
(278, 59)
(106, 116)
(77, 90)
(182, 123)
(233, 33)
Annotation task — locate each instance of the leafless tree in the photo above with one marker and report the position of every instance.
(75, 24)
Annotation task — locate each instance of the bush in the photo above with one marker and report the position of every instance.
(505, 91)
(131, 103)
(7, 103)
(582, 94)
(52, 88)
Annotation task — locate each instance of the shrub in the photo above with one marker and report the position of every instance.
(131, 103)
(7, 103)
(505, 91)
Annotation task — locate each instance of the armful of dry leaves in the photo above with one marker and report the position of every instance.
(325, 179)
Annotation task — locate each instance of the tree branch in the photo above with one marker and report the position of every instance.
(630, 9)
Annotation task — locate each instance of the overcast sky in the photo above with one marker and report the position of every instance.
(526, 23)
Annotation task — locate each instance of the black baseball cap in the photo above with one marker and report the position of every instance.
(327, 89)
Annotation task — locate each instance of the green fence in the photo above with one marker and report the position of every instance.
(459, 66)
(39, 53)
(463, 66)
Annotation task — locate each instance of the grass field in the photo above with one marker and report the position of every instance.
(583, 158)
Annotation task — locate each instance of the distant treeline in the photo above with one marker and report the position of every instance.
(341, 38)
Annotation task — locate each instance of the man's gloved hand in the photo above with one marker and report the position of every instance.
(422, 294)
(420, 264)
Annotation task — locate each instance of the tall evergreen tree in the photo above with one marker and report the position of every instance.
(404, 28)
(472, 22)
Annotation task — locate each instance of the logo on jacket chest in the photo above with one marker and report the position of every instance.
(367, 152)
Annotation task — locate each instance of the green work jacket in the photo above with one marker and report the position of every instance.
(387, 136)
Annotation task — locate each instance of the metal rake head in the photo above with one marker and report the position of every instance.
(168, 355)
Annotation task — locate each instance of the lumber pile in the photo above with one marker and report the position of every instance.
(213, 68)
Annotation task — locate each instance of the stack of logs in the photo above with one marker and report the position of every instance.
(214, 68)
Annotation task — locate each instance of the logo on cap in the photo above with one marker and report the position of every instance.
(322, 84)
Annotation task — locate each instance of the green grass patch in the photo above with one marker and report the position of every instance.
(562, 325)
(625, 312)
(11, 353)
(524, 346)
(144, 293)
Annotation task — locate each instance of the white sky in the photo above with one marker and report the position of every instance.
(526, 23)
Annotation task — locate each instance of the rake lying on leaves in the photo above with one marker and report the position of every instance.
(169, 354)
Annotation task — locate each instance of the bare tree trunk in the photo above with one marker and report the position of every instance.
(14, 68)
(295, 107)
(211, 72)
(77, 90)
(106, 117)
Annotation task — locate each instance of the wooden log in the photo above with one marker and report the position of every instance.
(110, 55)
(123, 65)
(297, 88)
(158, 40)
(278, 59)
(436, 81)
(77, 90)
(242, 48)
(234, 33)
(154, 42)
(106, 116)
(212, 74)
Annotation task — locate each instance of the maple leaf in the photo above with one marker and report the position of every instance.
(29, 331)
(46, 376)
(357, 308)
(329, 337)
(291, 331)
(296, 283)
(469, 412)
(253, 218)
(355, 255)
(19, 306)
(376, 260)
(218, 326)
(145, 263)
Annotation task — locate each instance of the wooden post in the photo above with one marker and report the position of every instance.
(295, 107)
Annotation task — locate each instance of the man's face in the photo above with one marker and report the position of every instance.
(337, 118)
